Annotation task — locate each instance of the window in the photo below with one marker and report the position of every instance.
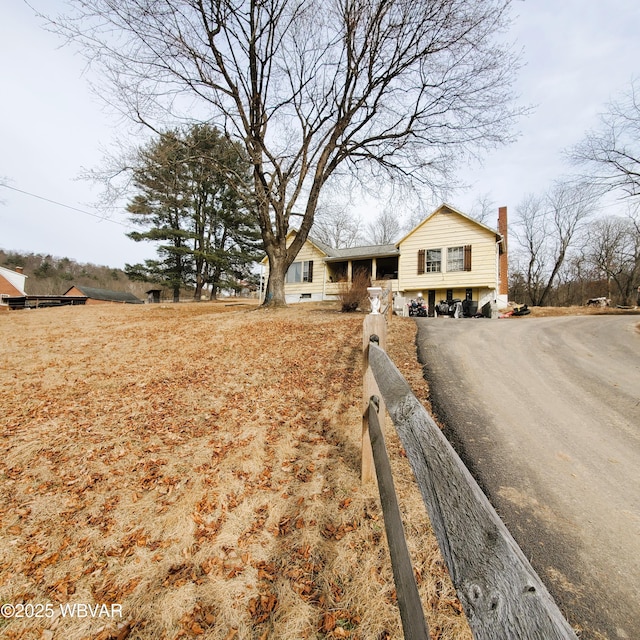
(307, 271)
(429, 261)
(300, 272)
(434, 260)
(455, 259)
(459, 258)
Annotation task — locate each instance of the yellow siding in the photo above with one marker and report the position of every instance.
(308, 252)
(441, 231)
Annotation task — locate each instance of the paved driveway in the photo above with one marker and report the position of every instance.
(546, 414)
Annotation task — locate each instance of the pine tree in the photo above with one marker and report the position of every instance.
(189, 202)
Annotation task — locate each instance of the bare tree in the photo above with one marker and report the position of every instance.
(309, 88)
(483, 208)
(614, 250)
(384, 228)
(547, 228)
(530, 233)
(334, 226)
(611, 153)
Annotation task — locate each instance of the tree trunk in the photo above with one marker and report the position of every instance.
(214, 280)
(176, 293)
(275, 296)
(197, 294)
(552, 277)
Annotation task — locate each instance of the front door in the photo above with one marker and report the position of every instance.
(431, 300)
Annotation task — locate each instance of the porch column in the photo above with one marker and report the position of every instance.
(324, 280)
(374, 269)
(349, 271)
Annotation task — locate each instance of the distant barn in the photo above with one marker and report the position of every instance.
(101, 296)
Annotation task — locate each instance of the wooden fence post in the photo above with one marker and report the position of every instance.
(374, 325)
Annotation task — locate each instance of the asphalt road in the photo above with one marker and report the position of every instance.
(545, 412)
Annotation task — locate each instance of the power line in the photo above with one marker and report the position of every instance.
(67, 206)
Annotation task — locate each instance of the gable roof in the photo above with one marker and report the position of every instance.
(105, 294)
(12, 282)
(447, 208)
(320, 246)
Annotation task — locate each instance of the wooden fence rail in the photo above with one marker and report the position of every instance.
(503, 597)
(411, 614)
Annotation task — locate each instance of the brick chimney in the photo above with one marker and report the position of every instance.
(19, 269)
(504, 256)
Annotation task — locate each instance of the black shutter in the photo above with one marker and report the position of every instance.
(310, 270)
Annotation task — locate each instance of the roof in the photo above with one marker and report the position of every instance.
(368, 251)
(14, 281)
(105, 294)
(335, 255)
(321, 246)
(388, 250)
(325, 248)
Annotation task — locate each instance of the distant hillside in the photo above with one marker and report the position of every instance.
(48, 275)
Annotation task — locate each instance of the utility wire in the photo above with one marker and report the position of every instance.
(67, 206)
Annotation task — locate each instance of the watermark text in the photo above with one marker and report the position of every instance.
(69, 610)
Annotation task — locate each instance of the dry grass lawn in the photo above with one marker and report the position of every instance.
(543, 312)
(199, 466)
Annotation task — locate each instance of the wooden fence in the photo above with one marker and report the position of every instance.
(502, 596)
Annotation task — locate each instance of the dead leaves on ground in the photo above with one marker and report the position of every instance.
(162, 455)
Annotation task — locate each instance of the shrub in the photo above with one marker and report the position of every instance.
(352, 294)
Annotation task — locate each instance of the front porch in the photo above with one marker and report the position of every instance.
(376, 268)
(382, 271)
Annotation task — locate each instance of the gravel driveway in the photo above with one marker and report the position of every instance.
(546, 414)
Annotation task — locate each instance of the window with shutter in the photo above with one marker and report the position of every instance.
(455, 259)
(300, 272)
(434, 261)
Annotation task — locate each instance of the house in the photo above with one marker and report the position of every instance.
(12, 282)
(447, 255)
(101, 296)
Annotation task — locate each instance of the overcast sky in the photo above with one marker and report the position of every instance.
(578, 55)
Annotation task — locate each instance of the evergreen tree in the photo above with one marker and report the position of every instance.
(189, 203)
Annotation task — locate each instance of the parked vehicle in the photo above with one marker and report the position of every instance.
(452, 308)
(418, 308)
